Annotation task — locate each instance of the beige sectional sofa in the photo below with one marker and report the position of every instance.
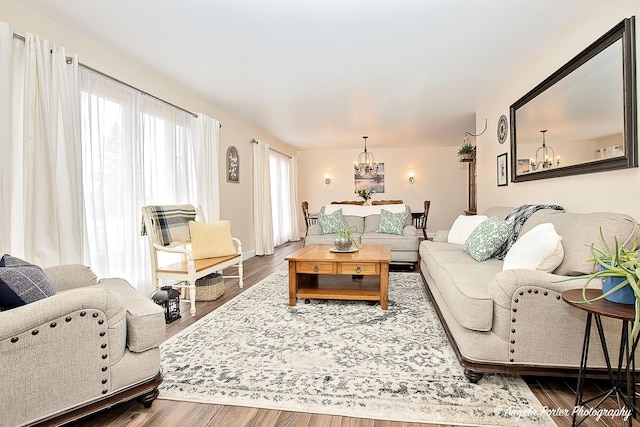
(88, 347)
(515, 321)
(364, 222)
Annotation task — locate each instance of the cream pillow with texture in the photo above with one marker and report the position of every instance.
(462, 228)
(211, 239)
(538, 249)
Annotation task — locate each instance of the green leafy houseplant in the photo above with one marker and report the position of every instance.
(345, 239)
(467, 151)
(619, 262)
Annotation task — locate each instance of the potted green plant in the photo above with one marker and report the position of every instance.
(344, 240)
(467, 152)
(619, 270)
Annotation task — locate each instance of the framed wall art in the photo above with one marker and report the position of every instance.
(502, 170)
(376, 183)
(233, 165)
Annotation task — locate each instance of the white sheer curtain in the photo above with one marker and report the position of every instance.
(41, 178)
(206, 148)
(137, 151)
(262, 222)
(283, 198)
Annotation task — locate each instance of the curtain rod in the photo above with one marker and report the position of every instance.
(255, 141)
(21, 37)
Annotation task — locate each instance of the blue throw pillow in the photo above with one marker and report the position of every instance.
(331, 223)
(392, 223)
(22, 283)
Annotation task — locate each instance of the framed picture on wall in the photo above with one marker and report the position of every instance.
(375, 184)
(233, 165)
(502, 170)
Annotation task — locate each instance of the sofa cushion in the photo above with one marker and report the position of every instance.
(579, 231)
(487, 237)
(327, 239)
(331, 223)
(145, 319)
(538, 249)
(391, 223)
(462, 228)
(22, 283)
(398, 242)
(463, 288)
(211, 240)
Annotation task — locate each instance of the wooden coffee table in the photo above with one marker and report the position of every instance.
(316, 272)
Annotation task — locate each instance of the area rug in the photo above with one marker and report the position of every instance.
(346, 358)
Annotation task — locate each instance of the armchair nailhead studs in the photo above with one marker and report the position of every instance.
(511, 360)
(67, 319)
(529, 291)
(513, 320)
(513, 341)
(104, 356)
(14, 339)
(557, 296)
(53, 324)
(103, 346)
(521, 293)
(515, 310)
(512, 350)
(83, 313)
(104, 391)
(100, 322)
(516, 300)
(546, 293)
(34, 332)
(513, 331)
(104, 381)
(104, 369)
(95, 314)
(535, 292)
(102, 333)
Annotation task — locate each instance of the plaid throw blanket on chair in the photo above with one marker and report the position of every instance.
(518, 217)
(171, 223)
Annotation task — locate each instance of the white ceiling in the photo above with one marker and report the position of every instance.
(323, 73)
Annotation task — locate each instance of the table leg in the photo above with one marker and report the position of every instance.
(293, 283)
(583, 369)
(384, 285)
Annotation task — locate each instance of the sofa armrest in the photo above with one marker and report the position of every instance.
(59, 351)
(505, 284)
(314, 230)
(70, 276)
(441, 236)
(410, 231)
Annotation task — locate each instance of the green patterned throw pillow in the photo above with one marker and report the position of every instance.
(487, 237)
(331, 223)
(391, 223)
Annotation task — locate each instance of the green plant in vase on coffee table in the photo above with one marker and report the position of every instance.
(344, 240)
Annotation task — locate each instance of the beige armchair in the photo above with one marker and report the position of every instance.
(160, 225)
(88, 347)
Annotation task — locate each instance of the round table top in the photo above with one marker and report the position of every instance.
(601, 307)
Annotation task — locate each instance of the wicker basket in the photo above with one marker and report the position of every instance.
(209, 288)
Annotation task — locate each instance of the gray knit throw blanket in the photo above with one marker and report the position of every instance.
(518, 217)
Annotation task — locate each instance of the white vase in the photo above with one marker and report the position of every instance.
(367, 202)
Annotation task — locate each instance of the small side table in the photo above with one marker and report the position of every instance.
(622, 379)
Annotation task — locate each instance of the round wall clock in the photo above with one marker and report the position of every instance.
(503, 128)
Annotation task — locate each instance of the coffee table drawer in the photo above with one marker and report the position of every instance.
(311, 267)
(359, 268)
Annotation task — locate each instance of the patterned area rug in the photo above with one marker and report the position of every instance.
(338, 357)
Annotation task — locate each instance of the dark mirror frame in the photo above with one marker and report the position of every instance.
(624, 31)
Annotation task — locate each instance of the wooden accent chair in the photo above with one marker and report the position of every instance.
(308, 218)
(386, 202)
(157, 221)
(349, 202)
(421, 221)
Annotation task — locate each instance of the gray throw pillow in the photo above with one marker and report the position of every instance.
(331, 223)
(487, 238)
(22, 283)
(391, 223)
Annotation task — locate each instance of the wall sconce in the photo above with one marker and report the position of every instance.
(411, 178)
(327, 178)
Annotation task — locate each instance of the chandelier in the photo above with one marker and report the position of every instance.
(366, 166)
(544, 156)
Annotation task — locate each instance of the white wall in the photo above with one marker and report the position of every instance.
(236, 199)
(614, 191)
(439, 177)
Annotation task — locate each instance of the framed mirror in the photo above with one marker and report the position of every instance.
(582, 118)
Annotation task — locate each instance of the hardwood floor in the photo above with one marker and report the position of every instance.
(555, 393)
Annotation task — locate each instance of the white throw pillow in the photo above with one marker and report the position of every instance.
(538, 249)
(462, 228)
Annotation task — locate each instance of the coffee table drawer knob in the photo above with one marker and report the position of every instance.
(358, 269)
(315, 268)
